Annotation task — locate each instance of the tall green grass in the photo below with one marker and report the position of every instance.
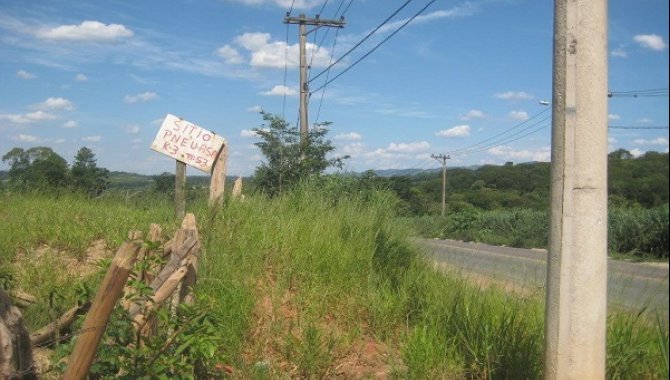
(299, 281)
(636, 232)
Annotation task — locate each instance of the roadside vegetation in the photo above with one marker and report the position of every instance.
(319, 282)
(316, 276)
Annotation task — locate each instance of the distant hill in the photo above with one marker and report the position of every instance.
(126, 180)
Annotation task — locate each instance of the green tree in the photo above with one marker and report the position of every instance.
(36, 168)
(86, 175)
(164, 183)
(287, 159)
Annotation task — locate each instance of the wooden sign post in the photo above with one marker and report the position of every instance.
(192, 145)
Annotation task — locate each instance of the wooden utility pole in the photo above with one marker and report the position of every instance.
(576, 305)
(302, 22)
(443, 158)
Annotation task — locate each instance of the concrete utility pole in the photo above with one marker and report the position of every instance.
(302, 22)
(443, 158)
(576, 307)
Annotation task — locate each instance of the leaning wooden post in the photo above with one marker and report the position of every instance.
(96, 320)
(180, 190)
(218, 181)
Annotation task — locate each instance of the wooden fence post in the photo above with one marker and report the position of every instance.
(109, 292)
(180, 190)
(218, 180)
(16, 355)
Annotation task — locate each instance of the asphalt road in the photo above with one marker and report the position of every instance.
(631, 286)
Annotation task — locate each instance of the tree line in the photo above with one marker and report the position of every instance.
(633, 181)
(40, 168)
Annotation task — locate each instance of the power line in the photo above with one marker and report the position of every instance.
(364, 38)
(283, 109)
(637, 127)
(507, 141)
(323, 93)
(378, 45)
(653, 92)
(469, 147)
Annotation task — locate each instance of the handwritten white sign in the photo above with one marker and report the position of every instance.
(188, 143)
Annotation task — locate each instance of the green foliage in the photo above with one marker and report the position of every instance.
(642, 232)
(642, 180)
(36, 168)
(638, 232)
(632, 350)
(333, 268)
(40, 168)
(85, 174)
(164, 183)
(288, 160)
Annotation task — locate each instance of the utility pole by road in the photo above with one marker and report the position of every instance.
(302, 22)
(576, 304)
(443, 158)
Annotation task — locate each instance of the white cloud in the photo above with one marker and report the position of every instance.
(464, 10)
(353, 149)
(81, 78)
(619, 52)
(29, 117)
(296, 4)
(612, 140)
(637, 152)
(25, 75)
(472, 114)
(248, 133)
(542, 154)
(512, 95)
(91, 138)
(143, 97)
(255, 109)
(650, 41)
(230, 55)
(613, 116)
(457, 131)
(411, 147)
(55, 104)
(351, 136)
(132, 129)
(276, 54)
(24, 138)
(87, 31)
(656, 141)
(645, 120)
(59, 141)
(280, 90)
(518, 115)
(70, 124)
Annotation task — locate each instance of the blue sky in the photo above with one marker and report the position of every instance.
(103, 74)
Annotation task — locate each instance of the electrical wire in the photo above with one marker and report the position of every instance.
(377, 46)
(507, 141)
(364, 38)
(654, 92)
(475, 145)
(323, 93)
(638, 127)
(283, 109)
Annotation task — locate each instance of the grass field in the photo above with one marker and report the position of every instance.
(310, 285)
